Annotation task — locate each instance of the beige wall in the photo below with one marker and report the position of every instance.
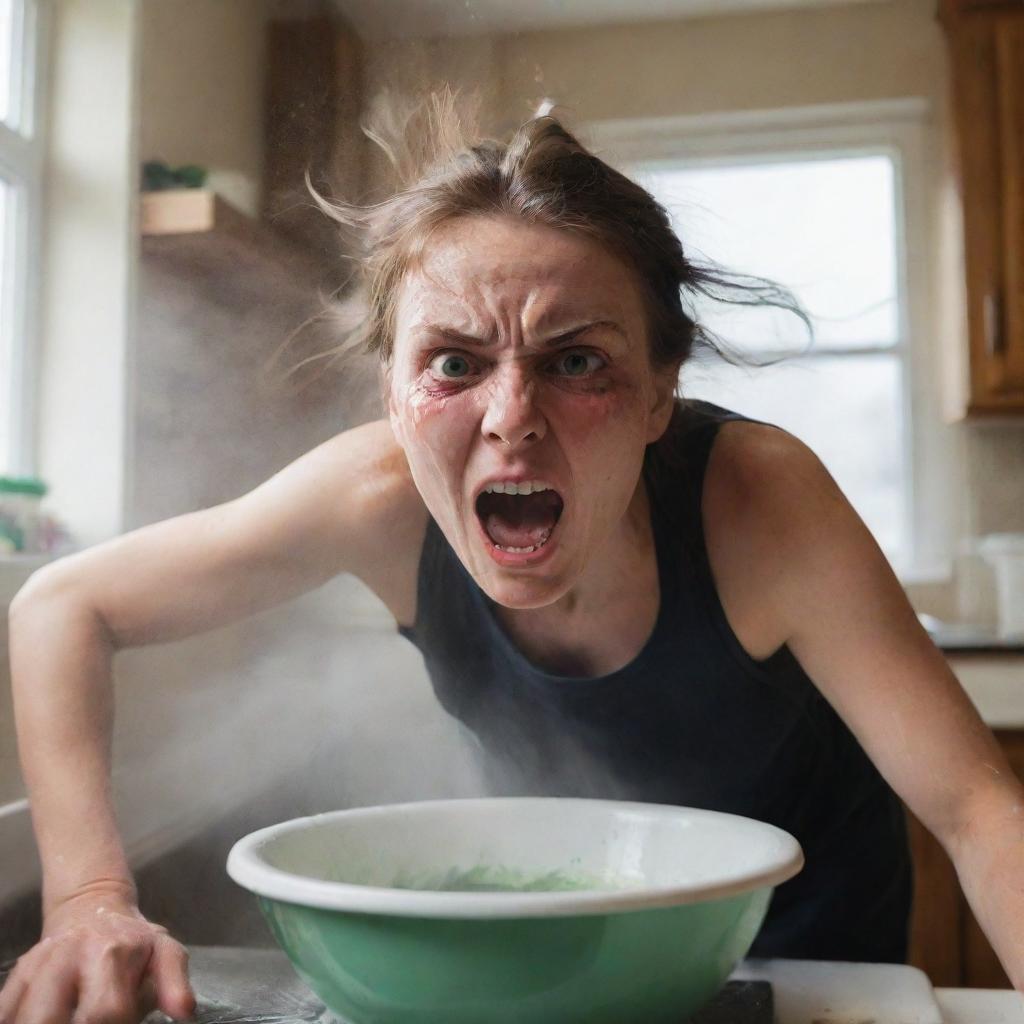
(741, 62)
(202, 68)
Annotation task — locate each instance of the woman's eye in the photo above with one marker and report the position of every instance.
(450, 365)
(578, 364)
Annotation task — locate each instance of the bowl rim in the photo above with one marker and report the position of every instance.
(247, 867)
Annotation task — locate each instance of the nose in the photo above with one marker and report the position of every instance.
(512, 418)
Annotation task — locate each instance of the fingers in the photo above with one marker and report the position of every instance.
(146, 997)
(110, 983)
(96, 978)
(10, 995)
(17, 983)
(50, 1004)
(168, 969)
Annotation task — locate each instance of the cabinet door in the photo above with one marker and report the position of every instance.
(957, 7)
(988, 86)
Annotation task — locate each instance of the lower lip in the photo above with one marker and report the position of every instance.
(520, 559)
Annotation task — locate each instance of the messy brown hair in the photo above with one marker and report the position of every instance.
(541, 175)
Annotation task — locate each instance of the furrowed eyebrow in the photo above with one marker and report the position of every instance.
(451, 334)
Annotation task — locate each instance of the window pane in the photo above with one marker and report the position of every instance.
(824, 228)
(848, 409)
(7, 58)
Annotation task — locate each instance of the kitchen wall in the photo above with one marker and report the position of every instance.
(201, 91)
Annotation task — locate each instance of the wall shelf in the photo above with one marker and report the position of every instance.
(197, 234)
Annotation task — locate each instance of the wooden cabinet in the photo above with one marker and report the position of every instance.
(946, 941)
(937, 918)
(986, 45)
(952, 8)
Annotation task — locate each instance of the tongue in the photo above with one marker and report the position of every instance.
(520, 520)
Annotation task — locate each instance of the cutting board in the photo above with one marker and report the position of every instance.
(830, 992)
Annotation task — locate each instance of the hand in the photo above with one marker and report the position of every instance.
(101, 962)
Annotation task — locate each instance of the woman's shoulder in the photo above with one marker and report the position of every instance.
(366, 465)
(369, 482)
(373, 451)
(765, 492)
(734, 460)
(758, 461)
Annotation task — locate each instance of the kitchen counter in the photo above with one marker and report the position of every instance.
(995, 683)
(969, 638)
(973, 640)
(258, 986)
(980, 1006)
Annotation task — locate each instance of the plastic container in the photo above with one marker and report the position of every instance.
(1005, 553)
(20, 519)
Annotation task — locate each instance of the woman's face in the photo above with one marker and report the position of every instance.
(520, 357)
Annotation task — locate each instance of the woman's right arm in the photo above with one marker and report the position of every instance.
(313, 520)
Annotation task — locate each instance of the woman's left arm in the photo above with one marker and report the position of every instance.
(850, 625)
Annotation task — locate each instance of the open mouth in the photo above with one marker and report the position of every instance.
(519, 518)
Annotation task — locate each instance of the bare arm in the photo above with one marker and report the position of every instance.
(316, 518)
(847, 620)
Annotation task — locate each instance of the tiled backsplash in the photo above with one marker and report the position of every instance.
(994, 503)
(995, 478)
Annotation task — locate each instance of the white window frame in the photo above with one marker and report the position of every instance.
(897, 128)
(22, 162)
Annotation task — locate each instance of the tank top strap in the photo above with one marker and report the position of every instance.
(676, 474)
(434, 578)
(678, 512)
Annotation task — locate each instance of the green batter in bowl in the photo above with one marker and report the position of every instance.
(515, 910)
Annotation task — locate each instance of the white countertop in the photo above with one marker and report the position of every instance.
(995, 683)
(980, 1005)
(834, 992)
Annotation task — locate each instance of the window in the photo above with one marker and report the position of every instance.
(826, 228)
(814, 200)
(21, 176)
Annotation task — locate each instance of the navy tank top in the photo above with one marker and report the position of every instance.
(693, 720)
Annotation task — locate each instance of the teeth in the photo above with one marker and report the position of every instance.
(511, 487)
(524, 551)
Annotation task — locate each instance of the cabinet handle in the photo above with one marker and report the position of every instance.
(992, 314)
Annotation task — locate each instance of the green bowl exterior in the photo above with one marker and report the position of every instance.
(652, 966)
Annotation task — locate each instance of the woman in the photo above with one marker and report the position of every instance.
(621, 593)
